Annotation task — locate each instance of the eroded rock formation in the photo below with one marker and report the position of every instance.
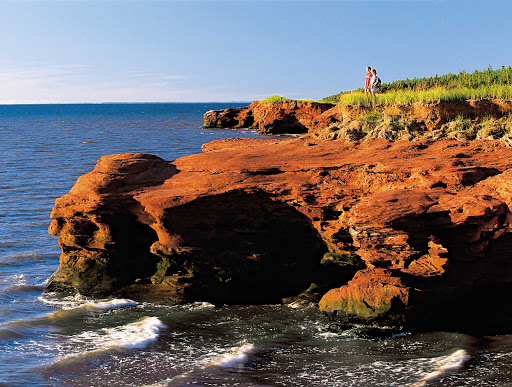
(332, 122)
(412, 233)
(270, 117)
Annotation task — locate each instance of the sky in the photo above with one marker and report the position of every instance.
(184, 51)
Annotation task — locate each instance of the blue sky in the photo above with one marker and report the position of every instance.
(142, 51)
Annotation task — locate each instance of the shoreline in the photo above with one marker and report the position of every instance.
(373, 208)
(462, 120)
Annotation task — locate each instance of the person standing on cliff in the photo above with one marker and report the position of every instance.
(374, 83)
(368, 79)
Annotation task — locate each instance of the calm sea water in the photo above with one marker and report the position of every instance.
(50, 340)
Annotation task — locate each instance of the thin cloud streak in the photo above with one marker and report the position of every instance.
(75, 83)
(142, 74)
(38, 82)
(70, 66)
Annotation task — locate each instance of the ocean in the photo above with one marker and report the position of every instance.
(54, 340)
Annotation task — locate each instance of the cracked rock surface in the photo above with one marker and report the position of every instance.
(415, 234)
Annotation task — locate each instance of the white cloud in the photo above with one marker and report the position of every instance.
(175, 77)
(143, 74)
(73, 83)
(70, 66)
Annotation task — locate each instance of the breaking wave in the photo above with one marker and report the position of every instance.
(198, 306)
(443, 365)
(133, 335)
(17, 283)
(227, 358)
(90, 306)
(72, 307)
(78, 301)
(136, 335)
(234, 356)
(111, 304)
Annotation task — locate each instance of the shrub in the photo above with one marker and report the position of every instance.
(462, 128)
(277, 98)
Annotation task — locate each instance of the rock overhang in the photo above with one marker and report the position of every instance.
(423, 243)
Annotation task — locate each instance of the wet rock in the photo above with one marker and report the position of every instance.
(392, 233)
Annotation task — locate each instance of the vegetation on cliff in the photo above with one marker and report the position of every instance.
(377, 123)
(463, 79)
(278, 99)
(407, 97)
(461, 106)
(478, 85)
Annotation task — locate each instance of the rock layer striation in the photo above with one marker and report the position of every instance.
(405, 233)
(331, 122)
(293, 117)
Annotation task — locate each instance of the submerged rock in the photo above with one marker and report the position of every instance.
(413, 234)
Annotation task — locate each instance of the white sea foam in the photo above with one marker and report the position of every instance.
(15, 280)
(326, 335)
(136, 335)
(80, 302)
(444, 364)
(234, 356)
(229, 358)
(69, 302)
(18, 283)
(295, 305)
(70, 307)
(161, 383)
(111, 304)
(199, 306)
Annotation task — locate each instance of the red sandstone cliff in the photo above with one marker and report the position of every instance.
(269, 117)
(426, 226)
(331, 122)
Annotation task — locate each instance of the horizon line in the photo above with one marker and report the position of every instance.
(113, 103)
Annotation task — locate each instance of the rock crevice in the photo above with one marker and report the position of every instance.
(389, 232)
(462, 120)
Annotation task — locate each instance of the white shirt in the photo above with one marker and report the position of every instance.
(373, 81)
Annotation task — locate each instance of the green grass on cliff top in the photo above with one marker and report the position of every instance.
(407, 97)
(478, 85)
(278, 98)
(485, 84)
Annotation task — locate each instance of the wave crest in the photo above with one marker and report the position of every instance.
(443, 365)
(136, 335)
(235, 356)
